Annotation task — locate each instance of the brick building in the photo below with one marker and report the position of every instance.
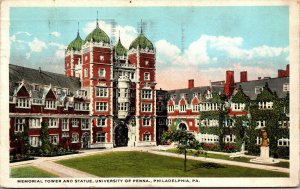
(106, 98)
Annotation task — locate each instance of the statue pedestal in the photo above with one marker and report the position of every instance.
(264, 156)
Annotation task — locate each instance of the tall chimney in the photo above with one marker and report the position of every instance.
(287, 71)
(243, 76)
(229, 85)
(281, 73)
(191, 83)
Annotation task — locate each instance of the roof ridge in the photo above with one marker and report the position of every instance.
(10, 64)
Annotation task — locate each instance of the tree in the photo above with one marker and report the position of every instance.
(45, 139)
(184, 140)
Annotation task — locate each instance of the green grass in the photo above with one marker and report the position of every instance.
(226, 157)
(142, 164)
(29, 172)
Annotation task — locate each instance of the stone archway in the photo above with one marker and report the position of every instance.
(182, 126)
(121, 135)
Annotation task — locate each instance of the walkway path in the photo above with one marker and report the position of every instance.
(48, 164)
(227, 162)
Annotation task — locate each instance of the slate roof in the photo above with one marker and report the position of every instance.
(29, 75)
(275, 84)
(190, 92)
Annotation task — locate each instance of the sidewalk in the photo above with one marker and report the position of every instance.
(226, 162)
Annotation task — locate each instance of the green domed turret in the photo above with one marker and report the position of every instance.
(76, 43)
(97, 35)
(142, 42)
(119, 49)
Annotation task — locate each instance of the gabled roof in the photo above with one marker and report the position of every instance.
(29, 75)
(190, 92)
(274, 84)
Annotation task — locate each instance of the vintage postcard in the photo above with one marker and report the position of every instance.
(149, 93)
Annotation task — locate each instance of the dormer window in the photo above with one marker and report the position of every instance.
(170, 108)
(183, 108)
(35, 87)
(50, 104)
(22, 103)
(238, 106)
(58, 91)
(258, 89)
(65, 90)
(286, 87)
(265, 105)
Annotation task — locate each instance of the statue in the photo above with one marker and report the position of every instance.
(265, 139)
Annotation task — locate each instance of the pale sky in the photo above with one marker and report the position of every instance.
(198, 43)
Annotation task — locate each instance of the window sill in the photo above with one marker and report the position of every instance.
(23, 107)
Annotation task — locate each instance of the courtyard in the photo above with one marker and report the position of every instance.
(126, 162)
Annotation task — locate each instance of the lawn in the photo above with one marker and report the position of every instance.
(142, 164)
(29, 172)
(225, 157)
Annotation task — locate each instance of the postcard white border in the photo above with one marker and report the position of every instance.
(293, 180)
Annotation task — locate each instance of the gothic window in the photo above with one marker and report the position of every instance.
(100, 137)
(85, 124)
(34, 141)
(265, 105)
(19, 124)
(170, 108)
(101, 106)
(75, 122)
(53, 122)
(53, 139)
(101, 122)
(283, 142)
(196, 108)
(75, 137)
(146, 94)
(182, 108)
(146, 121)
(22, 103)
(34, 123)
(146, 137)
(65, 124)
(146, 107)
(123, 106)
(101, 92)
(50, 104)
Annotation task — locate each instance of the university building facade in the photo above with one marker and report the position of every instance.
(107, 98)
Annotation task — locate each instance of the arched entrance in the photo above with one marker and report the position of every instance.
(121, 135)
(182, 126)
(85, 140)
